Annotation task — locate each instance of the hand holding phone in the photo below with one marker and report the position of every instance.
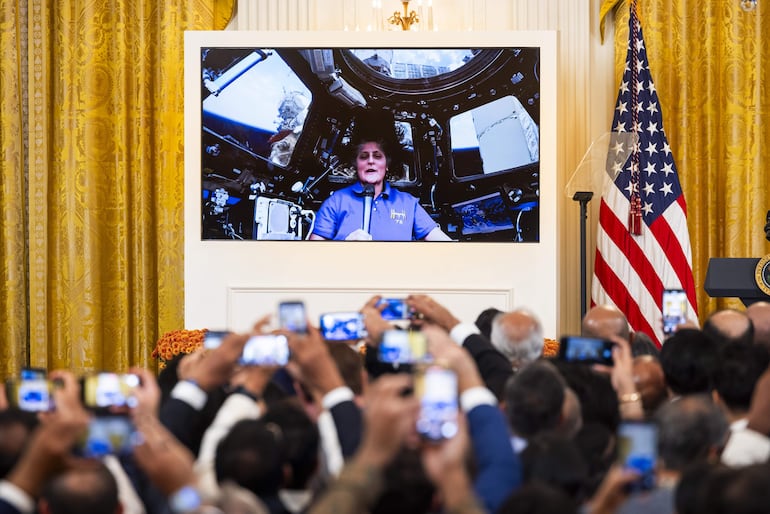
(674, 309)
(403, 347)
(31, 391)
(107, 435)
(292, 316)
(393, 309)
(265, 350)
(437, 389)
(213, 338)
(588, 350)
(106, 391)
(638, 451)
(342, 326)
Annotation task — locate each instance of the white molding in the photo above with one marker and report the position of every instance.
(246, 303)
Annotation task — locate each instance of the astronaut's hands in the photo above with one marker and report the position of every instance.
(359, 235)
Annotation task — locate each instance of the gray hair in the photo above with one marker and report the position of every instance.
(522, 350)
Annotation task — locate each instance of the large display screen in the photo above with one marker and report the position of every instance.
(281, 128)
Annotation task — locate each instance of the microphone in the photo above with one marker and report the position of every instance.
(368, 197)
(767, 227)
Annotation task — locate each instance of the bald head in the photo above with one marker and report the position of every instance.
(759, 314)
(518, 335)
(604, 321)
(729, 326)
(650, 382)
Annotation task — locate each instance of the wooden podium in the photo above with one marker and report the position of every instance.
(734, 278)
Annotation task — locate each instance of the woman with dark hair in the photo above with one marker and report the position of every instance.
(391, 215)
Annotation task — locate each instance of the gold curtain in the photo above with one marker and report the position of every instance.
(709, 61)
(91, 217)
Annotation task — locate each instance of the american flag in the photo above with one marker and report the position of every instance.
(643, 245)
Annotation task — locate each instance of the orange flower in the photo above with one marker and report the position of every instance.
(550, 348)
(175, 342)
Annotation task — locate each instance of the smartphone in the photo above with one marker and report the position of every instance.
(674, 309)
(107, 435)
(108, 390)
(394, 308)
(292, 316)
(31, 391)
(437, 389)
(342, 326)
(638, 450)
(403, 347)
(265, 350)
(589, 350)
(213, 338)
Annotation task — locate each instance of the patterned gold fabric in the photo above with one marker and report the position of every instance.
(102, 240)
(13, 200)
(709, 62)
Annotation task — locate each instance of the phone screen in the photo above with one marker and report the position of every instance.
(589, 350)
(638, 450)
(31, 391)
(213, 338)
(394, 308)
(265, 350)
(342, 326)
(437, 390)
(107, 435)
(105, 390)
(33, 374)
(403, 347)
(674, 309)
(292, 316)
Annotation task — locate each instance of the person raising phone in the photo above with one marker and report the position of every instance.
(372, 209)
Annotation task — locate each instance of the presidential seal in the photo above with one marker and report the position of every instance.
(762, 274)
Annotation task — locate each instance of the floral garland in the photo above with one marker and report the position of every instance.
(175, 342)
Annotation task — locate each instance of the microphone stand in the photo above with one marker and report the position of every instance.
(583, 197)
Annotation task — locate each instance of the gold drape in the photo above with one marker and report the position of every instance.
(709, 62)
(13, 201)
(101, 239)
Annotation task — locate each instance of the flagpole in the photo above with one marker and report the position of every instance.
(583, 197)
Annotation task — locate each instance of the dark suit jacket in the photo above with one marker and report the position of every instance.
(494, 367)
(349, 424)
(499, 469)
(7, 508)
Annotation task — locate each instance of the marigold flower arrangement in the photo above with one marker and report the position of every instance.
(550, 348)
(175, 342)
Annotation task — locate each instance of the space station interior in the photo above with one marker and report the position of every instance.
(277, 125)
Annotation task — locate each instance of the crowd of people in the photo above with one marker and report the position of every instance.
(335, 430)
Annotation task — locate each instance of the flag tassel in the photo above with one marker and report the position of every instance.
(635, 217)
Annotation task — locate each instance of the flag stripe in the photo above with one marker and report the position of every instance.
(621, 299)
(676, 216)
(633, 287)
(622, 238)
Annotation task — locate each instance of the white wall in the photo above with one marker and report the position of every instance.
(330, 277)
